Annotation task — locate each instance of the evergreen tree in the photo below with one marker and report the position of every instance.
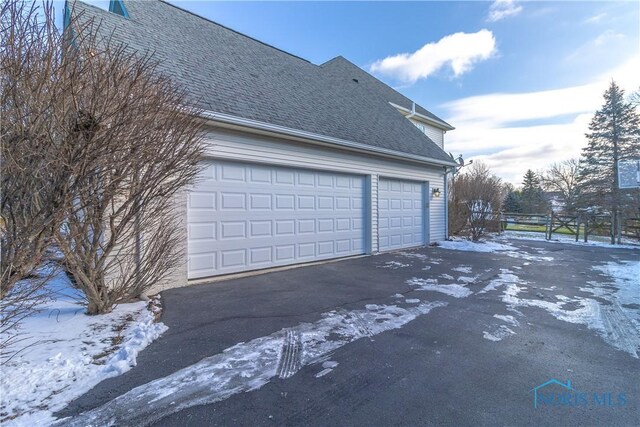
(532, 196)
(512, 203)
(614, 134)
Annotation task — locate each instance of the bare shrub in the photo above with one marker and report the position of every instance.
(477, 198)
(95, 146)
(32, 175)
(34, 179)
(145, 147)
(458, 210)
(562, 177)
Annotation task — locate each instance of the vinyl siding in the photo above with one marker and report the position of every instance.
(436, 135)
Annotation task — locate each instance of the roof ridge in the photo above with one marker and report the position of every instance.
(335, 58)
(232, 30)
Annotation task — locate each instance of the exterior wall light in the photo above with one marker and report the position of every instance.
(436, 192)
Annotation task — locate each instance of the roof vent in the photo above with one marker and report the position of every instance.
(117, 7)
(355, 80)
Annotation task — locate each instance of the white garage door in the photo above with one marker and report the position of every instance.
(245, 216)
(401, 208)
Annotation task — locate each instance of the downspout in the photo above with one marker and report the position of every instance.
(446, 204)
(413, 111)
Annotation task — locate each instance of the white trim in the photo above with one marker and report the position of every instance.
(243, 123)
(412, 114)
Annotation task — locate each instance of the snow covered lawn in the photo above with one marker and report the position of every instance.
(459, 244)
(62, 353)
(559, 238)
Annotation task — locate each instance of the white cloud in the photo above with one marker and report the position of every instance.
(600, 45)
(501, 9)
(605, 37)
(493, 128)
(459, 51)
(595, 19)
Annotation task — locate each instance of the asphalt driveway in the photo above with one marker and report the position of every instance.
(430, 336)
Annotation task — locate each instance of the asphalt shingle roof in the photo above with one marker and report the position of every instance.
(231, 73)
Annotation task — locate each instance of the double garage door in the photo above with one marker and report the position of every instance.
(244, 216)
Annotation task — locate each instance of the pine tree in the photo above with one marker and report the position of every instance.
(532, 196)
(512, 202)
(614, 134)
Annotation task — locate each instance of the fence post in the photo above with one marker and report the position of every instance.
(549, 225)
(577, 228)
(586, 228)
(619, 229)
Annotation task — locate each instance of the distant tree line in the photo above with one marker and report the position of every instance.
(588, 185)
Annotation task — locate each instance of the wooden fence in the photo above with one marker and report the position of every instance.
(578, 226)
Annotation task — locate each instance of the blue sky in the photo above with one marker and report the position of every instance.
(519, 80)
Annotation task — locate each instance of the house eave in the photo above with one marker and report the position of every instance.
(422, 117)
(235, 122)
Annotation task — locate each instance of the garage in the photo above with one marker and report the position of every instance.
(243, 216)
(401, 214)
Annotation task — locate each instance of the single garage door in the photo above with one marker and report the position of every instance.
(401, 214)
(245, 216)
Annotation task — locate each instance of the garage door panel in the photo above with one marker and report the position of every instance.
(401, 210)
(245, 216)
(306, 250)
(261, 255)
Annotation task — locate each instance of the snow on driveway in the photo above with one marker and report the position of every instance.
(248, 366)
(453, 289)
(617, 321)
(63, 353)
(469, 246)
(490, 246)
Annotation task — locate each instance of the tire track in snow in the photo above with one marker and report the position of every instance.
(620, 330)
(360, 324)
(246, 366)
(291, 356)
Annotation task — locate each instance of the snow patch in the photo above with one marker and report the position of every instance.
(618, 326)
(469, 246)
(421, 257)
(463, 269)
(247, 366)
(323, 373)
(528, 257)
(69, 353)
(394, 265)
(625, 277)
(447, 276)
(412, 301)
(559, 238)
(328, 366)
(506, 276)
(499, 334)
(453, 290)
(508, 319)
